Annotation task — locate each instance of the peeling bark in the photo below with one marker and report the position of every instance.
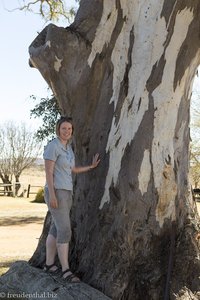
(125, 74)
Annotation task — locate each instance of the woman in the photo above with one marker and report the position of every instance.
(59, 165)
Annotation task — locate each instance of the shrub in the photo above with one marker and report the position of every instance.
(39, 198)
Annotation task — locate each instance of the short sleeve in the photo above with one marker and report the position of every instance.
(51, 151)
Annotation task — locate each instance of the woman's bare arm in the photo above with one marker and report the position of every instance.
(95, 162)
(49, 169)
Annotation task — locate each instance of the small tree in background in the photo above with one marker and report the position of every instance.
(5, 163)
(19, 148)
(195, 135)
(195, 164)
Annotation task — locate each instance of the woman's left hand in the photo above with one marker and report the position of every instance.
(95, 161)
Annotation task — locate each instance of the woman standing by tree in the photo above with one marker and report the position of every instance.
(59, 165)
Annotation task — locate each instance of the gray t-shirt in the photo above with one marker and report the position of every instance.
(64, 162)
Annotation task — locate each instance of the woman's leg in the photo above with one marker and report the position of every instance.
(51, 251)
(63, 250)
(63, 227)
(51, 248)
(61, 220)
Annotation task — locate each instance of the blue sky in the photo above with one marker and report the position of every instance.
(17, 80)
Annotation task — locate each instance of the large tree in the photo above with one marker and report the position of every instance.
(124, 70)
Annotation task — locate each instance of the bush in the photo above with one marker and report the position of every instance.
(39, 198)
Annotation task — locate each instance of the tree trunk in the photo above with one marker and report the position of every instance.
(7, 189)
(17, 184)
(124, 70)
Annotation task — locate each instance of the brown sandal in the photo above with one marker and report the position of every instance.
(47, 269)
(69, 278)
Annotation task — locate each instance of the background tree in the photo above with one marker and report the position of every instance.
(19, 149)
(49, 111)
(195, 166)
(5, 163)
(195, 134)
(49, 9)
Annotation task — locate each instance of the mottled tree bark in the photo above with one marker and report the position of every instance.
(124, 70)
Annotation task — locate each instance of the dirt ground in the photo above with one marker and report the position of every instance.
(21, 222)
(21, 225)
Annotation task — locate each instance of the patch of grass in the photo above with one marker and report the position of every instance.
(3, 270)
(6, 264)
(39, 198)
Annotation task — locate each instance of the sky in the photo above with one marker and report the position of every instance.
(17, 80)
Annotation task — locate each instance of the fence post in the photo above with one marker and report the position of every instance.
(23, 191)
(14, 184)
(28, 191)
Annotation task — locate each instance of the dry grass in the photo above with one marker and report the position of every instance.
(21, 222)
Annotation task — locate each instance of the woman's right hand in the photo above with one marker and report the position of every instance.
(53, 202)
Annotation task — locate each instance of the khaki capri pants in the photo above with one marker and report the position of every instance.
(60, 223)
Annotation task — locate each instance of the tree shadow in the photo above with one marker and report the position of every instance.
(22, 221)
